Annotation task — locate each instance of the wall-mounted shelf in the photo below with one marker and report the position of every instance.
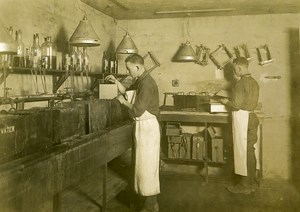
(59, 76)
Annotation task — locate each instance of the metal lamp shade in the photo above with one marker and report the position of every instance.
(186, 53)
(7, 44)
(127, 46)
(84, 35)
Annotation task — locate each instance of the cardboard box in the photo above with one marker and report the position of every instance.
(108, 91)
(216, 107)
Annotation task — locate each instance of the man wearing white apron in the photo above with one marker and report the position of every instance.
(144, 110)
(244, 126)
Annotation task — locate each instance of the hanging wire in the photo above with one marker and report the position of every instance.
(81, 9)
(114, 18)
(115, 21)
(188, 27)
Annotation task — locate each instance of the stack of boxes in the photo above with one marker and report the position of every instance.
(174, 137)
(193, 146)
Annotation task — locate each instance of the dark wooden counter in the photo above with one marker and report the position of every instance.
(32, 183)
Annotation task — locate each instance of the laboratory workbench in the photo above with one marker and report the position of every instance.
(194, 118)
(38, 181)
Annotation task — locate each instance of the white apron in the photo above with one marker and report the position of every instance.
(147, 149)
(240, 128)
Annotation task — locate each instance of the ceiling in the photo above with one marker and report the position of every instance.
(148, 9)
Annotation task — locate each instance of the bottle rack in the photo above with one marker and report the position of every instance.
(59, 76)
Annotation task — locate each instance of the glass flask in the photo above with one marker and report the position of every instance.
(48, 54)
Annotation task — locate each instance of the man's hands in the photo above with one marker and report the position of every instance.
(111, 78)
(224, 101)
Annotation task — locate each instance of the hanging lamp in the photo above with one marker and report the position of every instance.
(84, 35)
(127, 46)
(186, 52)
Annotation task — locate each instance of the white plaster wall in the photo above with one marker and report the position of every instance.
(59, 19)
(164, 36)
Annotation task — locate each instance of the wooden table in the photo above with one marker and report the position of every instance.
(168, 114)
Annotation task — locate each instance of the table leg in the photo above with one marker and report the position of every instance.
(206, 154)
(104, 187)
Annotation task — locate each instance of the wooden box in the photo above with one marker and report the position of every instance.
(216, 150)
(108, 91)
(197, 102)
(174, 145)
(198, 147)
(180, 101)
(185, 148)
(173, 129)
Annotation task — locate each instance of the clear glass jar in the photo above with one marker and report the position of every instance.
(48, 54)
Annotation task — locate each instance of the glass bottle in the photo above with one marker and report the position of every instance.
(79, 59)
(86, 60)
(105, 62)
(67, 62)
(112, 65)
(48, 54)
(73, 56)
(19, 58)
(36, 52)
(28, 58)
(11, 32)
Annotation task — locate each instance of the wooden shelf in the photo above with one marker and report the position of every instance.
(59, 76)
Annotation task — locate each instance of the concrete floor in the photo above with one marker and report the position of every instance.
(184, 189)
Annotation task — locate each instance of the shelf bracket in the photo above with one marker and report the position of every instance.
(4, 75)
(59, 80)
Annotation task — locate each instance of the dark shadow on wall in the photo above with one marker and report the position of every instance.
(294, 59)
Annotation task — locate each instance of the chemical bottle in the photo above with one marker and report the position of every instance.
(28, 58)
(73, 58)
(105, 62)
(67, 62)
(86, 60)
(36, 52)
(79, 59)
(48, 54)
(18, 60)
